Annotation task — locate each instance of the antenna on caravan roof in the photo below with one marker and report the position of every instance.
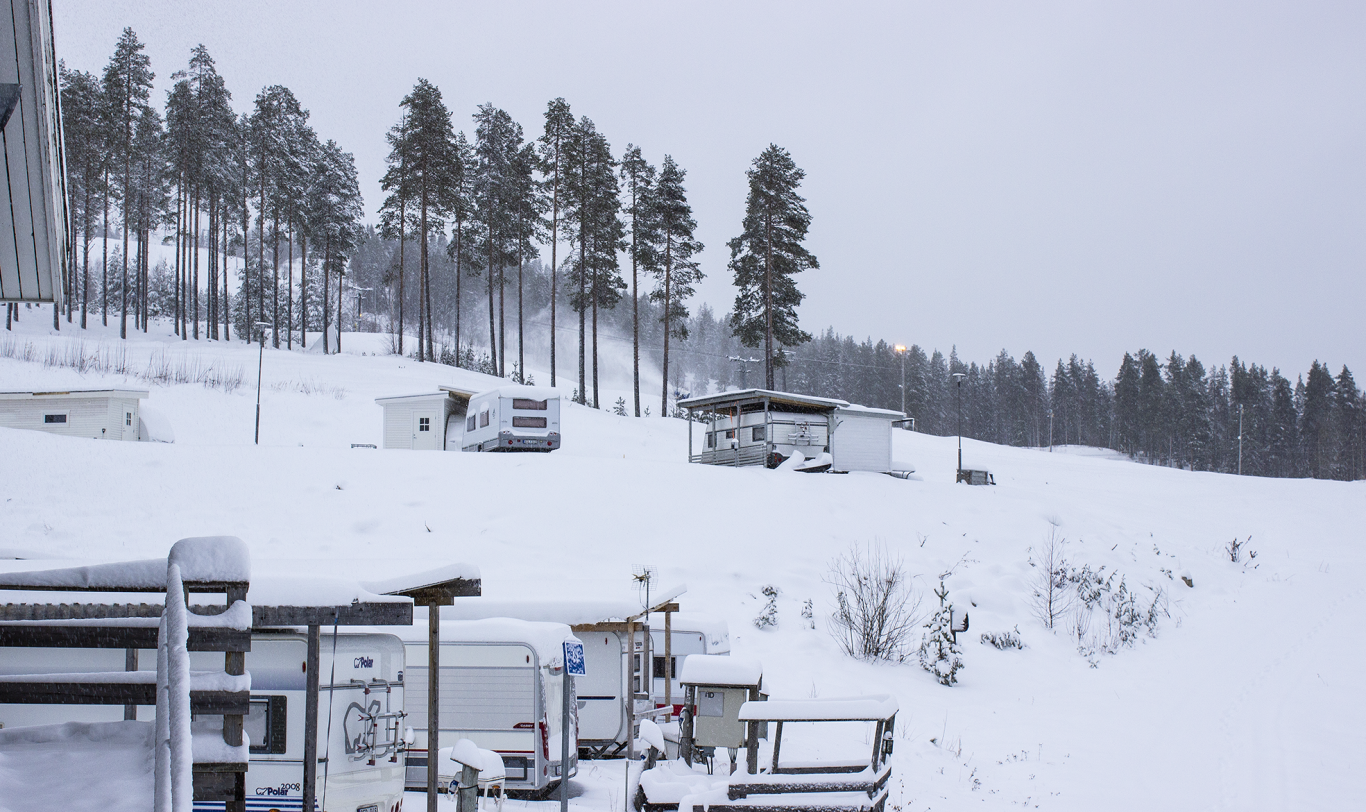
(644, 576)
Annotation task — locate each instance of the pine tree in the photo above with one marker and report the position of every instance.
(553, 143)
(127, 88)
(335, 212)
(766, 256)
(462, 209)
(87, 151)
(939, 652)
(393, 214)
(638, 177)
(677, 269)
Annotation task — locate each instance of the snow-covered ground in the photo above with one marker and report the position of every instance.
(1245, 699)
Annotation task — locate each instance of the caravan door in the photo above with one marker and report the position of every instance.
(602, 711)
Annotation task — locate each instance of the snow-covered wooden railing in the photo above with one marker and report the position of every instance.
(213, 769)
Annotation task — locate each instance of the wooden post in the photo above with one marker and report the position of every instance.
(312, 667)
(685, 725)
(690, 435)
(877, 742)
(778, 745)
(669, 659)
(752, 747)
(130, 663)
(467, 797)
(235, 663)
(630, 693)
(433, 706)
(887, 734)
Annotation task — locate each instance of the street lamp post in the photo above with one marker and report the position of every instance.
(958, 378)
(901, 350)
(744, 369)
(260, 360)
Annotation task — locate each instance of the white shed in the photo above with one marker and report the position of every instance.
(419, 422)
(862, 440)
(103, 414)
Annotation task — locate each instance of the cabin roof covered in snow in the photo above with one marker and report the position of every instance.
(889, 414)
(421, 396)
(855, 708)
(76, 393)
(433, 578)
(717, 669)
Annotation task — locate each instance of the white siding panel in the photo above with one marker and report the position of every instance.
(862, 444)
(398, 430)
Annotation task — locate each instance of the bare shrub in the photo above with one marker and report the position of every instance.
(1050, 598)
(1003, 640)
(877, 604)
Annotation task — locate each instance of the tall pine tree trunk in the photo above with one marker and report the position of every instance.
(303, 290)
(668, 313)
(275, 278)
(194, 284)
(289, 286)
(554, 268)
(768, 301)
(327, 256)
(85, 261)
(402, 222)
(635, 310)
(521, 336)
(595, 339)
(340, 272)
(493, 334)
(104, 264)
(459, 302)
(502, 323)
(424, 314)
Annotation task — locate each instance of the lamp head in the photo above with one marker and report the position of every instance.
(900, 348)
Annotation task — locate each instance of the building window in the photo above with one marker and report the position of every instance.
(528, 422)
(730, 434)
(711, 439)
(483, 418)
(757, 434)
(659, 667)
(527, 405)
(51, 419)
(127, 418)
(424, 424)
(469, 423)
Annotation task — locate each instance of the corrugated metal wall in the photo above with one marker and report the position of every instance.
(33, 214)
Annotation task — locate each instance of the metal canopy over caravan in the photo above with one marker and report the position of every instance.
(102, 414)
(763, 427)
(34, 222)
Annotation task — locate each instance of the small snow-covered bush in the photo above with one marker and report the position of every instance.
(1109, 614)
(939, 652)
(877, 606)
(808, 614)
(768, 616)
(620, 408)
(1003, 640)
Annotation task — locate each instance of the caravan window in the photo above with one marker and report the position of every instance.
(730, 434)
(528, 422)
(659, 668)
(50, 419)
(264, 724)
(711, 439)
(469, 423)
(526, 404)
(757, 434)
(483, 417)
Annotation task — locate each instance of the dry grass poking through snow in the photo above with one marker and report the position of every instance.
(163, 368)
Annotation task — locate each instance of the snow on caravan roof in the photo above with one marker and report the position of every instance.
(571, 612)
(514, 390)
(546, 639)
(716, 629)
(715, 669)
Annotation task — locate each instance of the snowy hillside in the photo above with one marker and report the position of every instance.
(1245, 698)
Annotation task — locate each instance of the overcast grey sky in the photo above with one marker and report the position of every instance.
(1087, 177)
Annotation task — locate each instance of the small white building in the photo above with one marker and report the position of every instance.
(763, 427)
(424, 422)
(102, 414)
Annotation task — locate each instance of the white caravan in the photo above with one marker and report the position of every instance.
(360, 705)
(512, 418)
(690, 633)
(501, 688)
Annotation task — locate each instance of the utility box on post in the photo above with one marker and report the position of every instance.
(715, 687)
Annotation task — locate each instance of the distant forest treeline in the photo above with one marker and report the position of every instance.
(266, 220)
(1171, 411)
